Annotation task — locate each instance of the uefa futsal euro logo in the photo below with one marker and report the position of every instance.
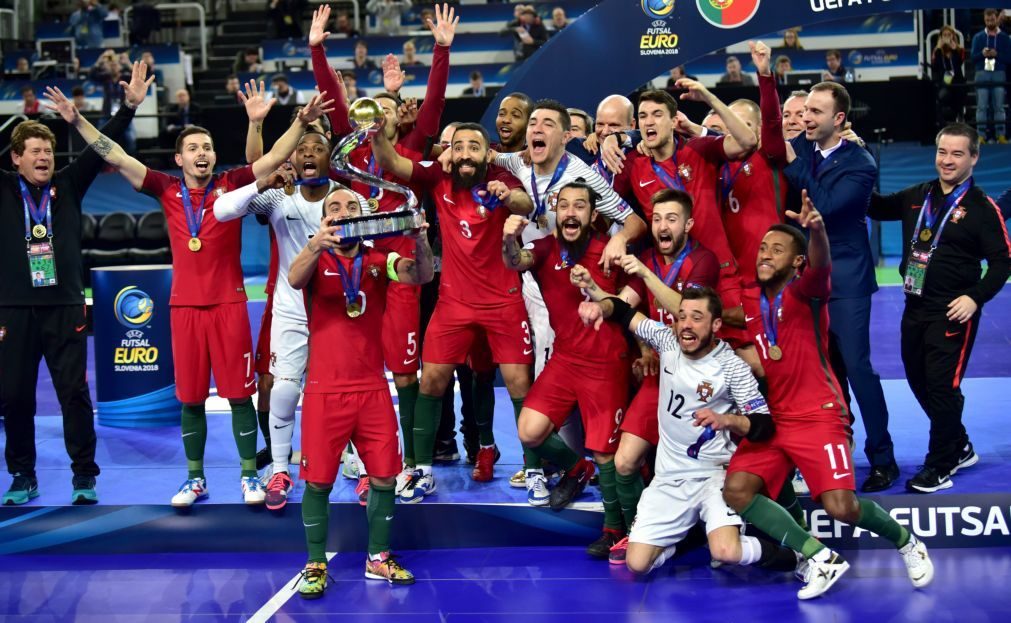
(658, 9)
(133, 307)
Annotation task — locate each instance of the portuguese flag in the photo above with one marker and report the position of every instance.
(727, 13)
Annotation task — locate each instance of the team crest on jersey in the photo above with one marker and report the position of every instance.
(3, 333)
(704, 391)
(958, 214)
(746, 168)
(685, 171)
(52, 192)
(373, 271)
(273, 358)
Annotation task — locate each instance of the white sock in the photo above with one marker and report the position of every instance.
(664, 556)
(822, 556)
(283, 399)
(425, 469)
(751, 550)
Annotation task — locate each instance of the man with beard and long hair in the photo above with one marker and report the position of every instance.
(478, 296)
(588, 369)
(788, 314)
(347, 396)
(710, 398)
(659, 275)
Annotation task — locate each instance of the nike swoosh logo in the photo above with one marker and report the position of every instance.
(247, 433)
(750, 318)
(408, 362)
(285, 426)
(950, 334)
(250, 383)
(326, 271)
(292, 218)
(527, 351)
(309, 525)
(839, 476)
(611, 440)
(666, 371)
(642, 184)
(80, 328)
(560, 266)
(389, 517)
(188, 434)
(448, 200)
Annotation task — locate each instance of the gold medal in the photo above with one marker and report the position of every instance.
(289, 188)
(482, 211)
(373, 204)
(39, 231)
(542, 221)
(775, 352)
(195, 244)
(354, 309)
(925, 234)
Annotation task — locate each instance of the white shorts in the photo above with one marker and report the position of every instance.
(543, 334)
(289, 348)
(668, 509)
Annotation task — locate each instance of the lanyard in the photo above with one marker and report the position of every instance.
(374, 170)
(312, 181)
(675, 268)
(489, 202)
(601, 169)
(540, 205)
(35, 213)
(194, 218)
(729, 180)
(770, 315)
(353, 283)
(928, 217)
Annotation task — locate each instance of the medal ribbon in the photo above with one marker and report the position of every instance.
(665, 177)
(540, 205)
(35, 213)
(727, 180)
(928, 217)
(675, 267)
(312, 181)
(601, 169)
(490, 201)
(194, 219)
(374, 170)
(770, 315)
(353, 283)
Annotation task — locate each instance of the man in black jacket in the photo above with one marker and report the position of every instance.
(40, 232)
(948, 226)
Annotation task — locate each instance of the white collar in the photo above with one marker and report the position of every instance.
(825, 153)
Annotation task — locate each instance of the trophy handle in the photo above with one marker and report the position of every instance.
(339, 162)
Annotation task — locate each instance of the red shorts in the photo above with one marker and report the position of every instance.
(366, 418)
(212, 339)
(481, 358)
(456, 329)
(401, 325)
(599, 390)
(263, 339)
(819, 448)
(641, 419)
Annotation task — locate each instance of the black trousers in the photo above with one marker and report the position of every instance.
(58, 333)
(935, 352)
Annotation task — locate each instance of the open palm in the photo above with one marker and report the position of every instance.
(444, 28)
(61, 104)
(256, 102)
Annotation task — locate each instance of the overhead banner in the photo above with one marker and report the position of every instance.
(621, 44)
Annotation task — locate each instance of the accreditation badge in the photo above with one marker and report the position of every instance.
(41, 264)
(916, 272)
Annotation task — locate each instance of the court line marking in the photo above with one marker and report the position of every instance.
(281, 597)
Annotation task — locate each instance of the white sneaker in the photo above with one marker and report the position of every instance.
(799, 485)
(918, 564)
(822, 575)
(537, 487)
(419, 485)
(349, 467)
(403, 478)
(192, 490)
(253, 491)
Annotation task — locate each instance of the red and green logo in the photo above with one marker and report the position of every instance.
(728, 13)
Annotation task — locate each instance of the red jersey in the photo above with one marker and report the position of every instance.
(473, 272)
(801, 384)
(345, 353)
(700, 268)
(272, 268)
(213, 274)
(573, 340)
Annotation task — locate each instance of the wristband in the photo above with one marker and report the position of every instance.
(623, 312)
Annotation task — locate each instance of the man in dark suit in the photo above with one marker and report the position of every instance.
(476, 88)
(839, 177)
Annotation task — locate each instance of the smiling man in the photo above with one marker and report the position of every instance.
(948, 226)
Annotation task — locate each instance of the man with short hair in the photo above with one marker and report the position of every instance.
(582, 123)
(347, 284)
(839, 175)
(991, 55)
(511, 122)
(283, 92)
(476, 88)
(793, 114)
(588, 369)
(734, 74)
(29, 101)
(787, 313)
(530, 34)
(209, 320)
(835, 71)
(948, 226)
(46, 317)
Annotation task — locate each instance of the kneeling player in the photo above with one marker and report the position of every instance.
(347, 396)
(703, 387)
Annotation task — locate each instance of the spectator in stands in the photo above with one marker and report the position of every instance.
(344, 28)
(734, 75)
(530, 34)
(410, 60)
(558, 20)
(22, 66)
(232, 87)
(183, 113)
(388, 14)
(284, 93)
(834, 69)
(29, 101)
(285, 18)
(783, 68)
(582, 123)
(476, 88)
(791, 40)
(86, 24)
(676, 74)
(144, 20)
(991, 53)
(948, 73)
(148, 57)
(109, 71)
(81, 102)
(248, 61)
(427, 16)
(351, 86)
(361, 59)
